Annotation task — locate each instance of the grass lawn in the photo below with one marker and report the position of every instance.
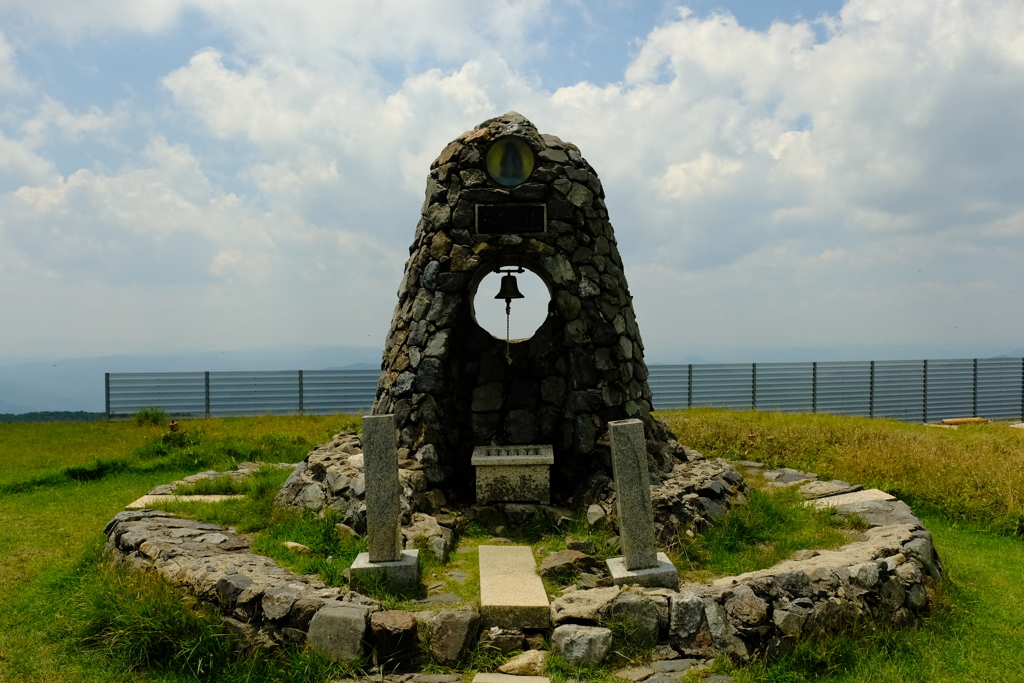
(60, 483)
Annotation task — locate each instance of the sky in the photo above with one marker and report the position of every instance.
(205, 176)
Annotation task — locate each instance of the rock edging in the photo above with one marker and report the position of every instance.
(887, 578)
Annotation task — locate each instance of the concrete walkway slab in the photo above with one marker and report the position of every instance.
(847, 498)
(511, 593)
(146, 501)
(508, 678)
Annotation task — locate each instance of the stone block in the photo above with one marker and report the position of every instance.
(147, 500)
(530, 663)
(511, 593)
(581, 645)
(454, 633)
(583, 605)
(633, 485)
(394, 635)
(502, 640)
(663, 575)
(847, 498)
(339, 631)
(823, 489)
(638, 613)
(402, 574)
(383, 493)
(880, 512)
(513, 473)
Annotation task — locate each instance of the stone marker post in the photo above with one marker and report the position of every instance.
(633, 493)
(640, 563)
(383, 509)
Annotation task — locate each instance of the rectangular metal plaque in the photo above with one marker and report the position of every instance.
(511, 219)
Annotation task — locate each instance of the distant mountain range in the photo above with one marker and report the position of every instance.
(76, 384)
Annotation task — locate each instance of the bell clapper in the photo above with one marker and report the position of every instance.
(508, 318)
(509, 290)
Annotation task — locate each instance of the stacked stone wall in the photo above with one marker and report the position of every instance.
(449, 382)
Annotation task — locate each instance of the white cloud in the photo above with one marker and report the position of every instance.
(396, 31)
(20, 162)
(9, 77)
(73, 19)
(696, 178)
(792, 189)
(55, 115)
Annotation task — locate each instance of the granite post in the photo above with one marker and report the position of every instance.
(383, 509)
(380, 467)
(640, 563)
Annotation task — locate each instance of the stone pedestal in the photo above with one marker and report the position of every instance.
(663, 575)
(519, 474)
(401, 574)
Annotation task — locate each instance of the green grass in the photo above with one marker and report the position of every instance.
(65, 617)
(951, 470)
(772, 525)
(51, 513)
(117, 625)
(975, 635)
(33, 449)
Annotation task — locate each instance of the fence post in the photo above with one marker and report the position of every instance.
(925, 391)
(106, 392)
(301, 407)
(689, 387)
(207, 393)
(974, 412)
(753, 385)
(814, 387)
(871, 393)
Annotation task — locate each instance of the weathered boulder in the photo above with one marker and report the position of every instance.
(637, 614)
(394, 635)
(453, 634)
(277, 601)
(530, 663)
(581, 645)
(565, 562)
(503, 640)
(423, 526)
(582, 606)
(339, 631)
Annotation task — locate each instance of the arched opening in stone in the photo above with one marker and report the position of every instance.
(528, 313)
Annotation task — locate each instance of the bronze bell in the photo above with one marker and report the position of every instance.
(509, 289)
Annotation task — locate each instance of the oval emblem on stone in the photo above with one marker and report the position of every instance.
(510, 161)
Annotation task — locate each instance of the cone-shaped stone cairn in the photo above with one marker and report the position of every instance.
(449, 382)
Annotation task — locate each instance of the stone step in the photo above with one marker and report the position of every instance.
(511, 593)
(148, 500)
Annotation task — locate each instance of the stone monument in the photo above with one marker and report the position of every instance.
(385, 557)
(641, 563)
(505, 196)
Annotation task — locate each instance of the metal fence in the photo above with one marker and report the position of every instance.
(220, 394)
(911, 391)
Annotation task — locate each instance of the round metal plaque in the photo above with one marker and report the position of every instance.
(510, 161)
